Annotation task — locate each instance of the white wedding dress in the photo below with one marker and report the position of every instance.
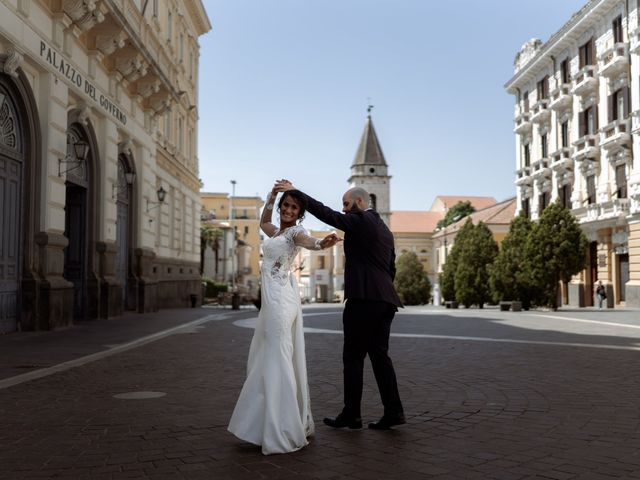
(273, 408)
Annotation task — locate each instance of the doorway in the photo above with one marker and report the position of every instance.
(623, 274)
(75, 257)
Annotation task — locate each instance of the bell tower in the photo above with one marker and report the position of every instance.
(369, 170)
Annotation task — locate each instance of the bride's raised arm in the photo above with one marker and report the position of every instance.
(265, 219)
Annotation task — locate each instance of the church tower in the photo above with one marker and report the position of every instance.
(369, 171)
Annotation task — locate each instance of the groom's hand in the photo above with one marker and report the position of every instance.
(330, 240)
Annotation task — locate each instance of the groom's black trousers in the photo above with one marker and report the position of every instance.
(367, 325)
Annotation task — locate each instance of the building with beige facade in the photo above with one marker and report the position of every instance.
(237, 259)
(577, 125)
(320, 273)
(99, 201)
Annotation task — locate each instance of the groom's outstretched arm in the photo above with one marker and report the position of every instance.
(331, 217)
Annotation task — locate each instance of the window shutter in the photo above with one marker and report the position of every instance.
(595, 119)
(610, 107)
(627, 104)
(581, 124)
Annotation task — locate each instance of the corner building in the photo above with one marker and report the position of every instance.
(577, 125)
(99, 202)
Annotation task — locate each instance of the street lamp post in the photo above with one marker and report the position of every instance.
(233, 236)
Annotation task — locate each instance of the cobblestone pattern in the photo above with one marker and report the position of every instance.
(475, 410)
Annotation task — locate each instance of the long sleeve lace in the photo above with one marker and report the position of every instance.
(302, 239)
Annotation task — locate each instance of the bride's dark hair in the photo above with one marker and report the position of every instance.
(297, 197)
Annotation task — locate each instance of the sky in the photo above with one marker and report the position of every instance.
(284, 87)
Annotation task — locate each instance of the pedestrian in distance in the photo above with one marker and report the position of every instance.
(371, 304)
(601, 294)
(273, 409)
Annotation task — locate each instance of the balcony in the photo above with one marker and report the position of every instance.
(586, 148)
(634, 36)
(561, 98)
(586, 81)
(540, 169)
(561, 160)
(618, 207)
(523, 124)
(523, 177)
(616, 135)
(540, 113)
(615, 61)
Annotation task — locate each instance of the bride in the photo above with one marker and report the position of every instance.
(273, 409)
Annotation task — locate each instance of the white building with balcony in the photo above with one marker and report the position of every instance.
(577, 140)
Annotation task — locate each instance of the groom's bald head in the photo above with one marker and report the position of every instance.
(355, 198)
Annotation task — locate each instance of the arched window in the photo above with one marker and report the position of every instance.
(373, 201)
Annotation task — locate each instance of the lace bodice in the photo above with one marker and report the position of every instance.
(280, 250)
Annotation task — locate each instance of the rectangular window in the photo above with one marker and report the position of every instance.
(180, 134)
(591, 189)
(564, 132)
(543, 202)
(525, 208)
(586, 54)
(181, 47)
(543, 88)
(588, 121)
(619, 104)
(526, 101)
(320, 261)
(527, 155)
(564, 71)
(564, 194)
(543, 145)
(246, 230)
(155, 8)
(621, 181)
(617, 29)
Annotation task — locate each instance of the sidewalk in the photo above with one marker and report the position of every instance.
(25, 352)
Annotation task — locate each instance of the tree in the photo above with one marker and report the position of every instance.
(477, 253)
(455, 213)
(555, 250)
(412, 282)
(209, 238)
(508, 276)
(447, 277)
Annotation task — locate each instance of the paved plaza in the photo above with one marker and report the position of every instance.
(488, 394)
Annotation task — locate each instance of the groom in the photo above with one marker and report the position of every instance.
(371, 303)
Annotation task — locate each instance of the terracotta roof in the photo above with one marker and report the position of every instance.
(478, 203)
(414, 222)
(499, 214)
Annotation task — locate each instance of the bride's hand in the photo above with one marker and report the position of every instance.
(330, 240)
(283, 185)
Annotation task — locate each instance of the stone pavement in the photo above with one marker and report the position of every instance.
(488, 394)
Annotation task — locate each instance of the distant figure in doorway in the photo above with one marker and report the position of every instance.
(601, 293)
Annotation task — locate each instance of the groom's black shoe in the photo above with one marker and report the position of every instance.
(341, 422)
(388, 421)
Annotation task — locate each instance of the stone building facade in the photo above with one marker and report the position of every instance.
(237, 254)
(99, 188)
(577, 126)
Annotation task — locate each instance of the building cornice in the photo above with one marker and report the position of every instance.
(580, 21)
(199, 16)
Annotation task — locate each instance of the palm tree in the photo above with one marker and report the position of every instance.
(210, 236)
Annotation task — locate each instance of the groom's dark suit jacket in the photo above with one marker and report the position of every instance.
(369, 252)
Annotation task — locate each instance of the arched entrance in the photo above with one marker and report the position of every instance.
(126, 177)
(12, 160)
(76, 220)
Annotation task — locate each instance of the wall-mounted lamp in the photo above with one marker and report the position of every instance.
(161, 192)
(129, 178)
(80, 151)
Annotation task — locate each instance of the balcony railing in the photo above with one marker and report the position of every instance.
(635, 122)
(586, 148)
(541, 168)
(616, 135)
(562, 159)
(620, 207)
(523, 176)
(561, 97)
(586, 81)
(634, 36)
(615, 61)
(540, 112)
(523, 124)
